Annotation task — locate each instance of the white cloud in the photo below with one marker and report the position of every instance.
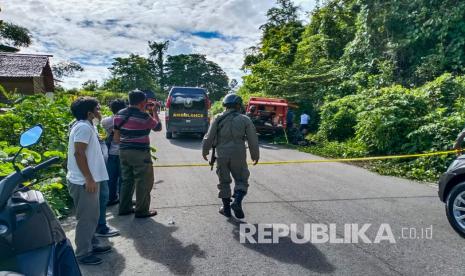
(94, 32)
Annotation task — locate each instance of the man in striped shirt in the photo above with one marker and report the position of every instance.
(132, 127)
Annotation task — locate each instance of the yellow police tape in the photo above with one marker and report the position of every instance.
(322, 160)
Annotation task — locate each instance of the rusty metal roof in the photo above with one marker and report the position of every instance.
(22, 65)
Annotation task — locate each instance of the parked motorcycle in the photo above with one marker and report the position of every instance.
(32, 241)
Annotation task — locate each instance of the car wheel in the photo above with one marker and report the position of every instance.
(455, 208)
(169, 135)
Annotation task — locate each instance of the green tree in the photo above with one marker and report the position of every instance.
(133, 72)
(284, 13)
(281, 33)
(195, 70)
(156, 54)
(280, 36)
(270, 63)
(13, 36)
(331, 27)
(90, 85)
(66, 69)
(420, 39)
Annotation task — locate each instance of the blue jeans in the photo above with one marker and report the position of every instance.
(114, 174)
(103, 200)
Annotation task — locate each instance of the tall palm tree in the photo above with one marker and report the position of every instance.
(157, 51)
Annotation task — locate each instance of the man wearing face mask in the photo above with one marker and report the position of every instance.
(86, 172)
(103, 229)
(132, 128)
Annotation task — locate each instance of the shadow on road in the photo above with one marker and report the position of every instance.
(305, 255)
(187, 141)
(389, 199)
(154, 241)
(269, 146)
(193, 141)
(113, 264)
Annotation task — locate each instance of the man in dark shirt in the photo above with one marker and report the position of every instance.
(132, 127)
(290, 119)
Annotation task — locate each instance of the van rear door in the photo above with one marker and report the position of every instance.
(188, 112)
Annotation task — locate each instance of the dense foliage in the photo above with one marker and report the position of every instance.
(196, 71)
(379, 77)
(54, 116)
(131, 72)
(157, 74)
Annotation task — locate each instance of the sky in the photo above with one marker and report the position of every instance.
(93, 33)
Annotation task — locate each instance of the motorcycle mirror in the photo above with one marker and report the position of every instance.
(31, 136)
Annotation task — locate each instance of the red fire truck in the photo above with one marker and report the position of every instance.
(268, 114)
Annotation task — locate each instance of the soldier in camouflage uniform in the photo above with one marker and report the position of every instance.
(228, 134)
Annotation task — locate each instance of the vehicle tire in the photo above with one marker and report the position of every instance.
(455, 208)
(169, 135)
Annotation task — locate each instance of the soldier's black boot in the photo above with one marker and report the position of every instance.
(236, 206)
(225, 210)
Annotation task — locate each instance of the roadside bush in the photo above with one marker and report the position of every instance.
(421, 169)
(49, 182)
(11, 126)
(53, 114)
(444, 91)
(348, 149)
(217, 108)
(339, 117)
(3, 94)
(245, 94)
(388, 116)
(438, 132)
(104, 97)
(396, 120)
(57, 196)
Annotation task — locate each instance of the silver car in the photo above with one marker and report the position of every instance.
(452, 193)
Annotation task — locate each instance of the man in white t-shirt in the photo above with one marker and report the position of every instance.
(304, 121)
(86, 170)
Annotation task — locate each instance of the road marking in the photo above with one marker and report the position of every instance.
(279, 201)
(337, 160)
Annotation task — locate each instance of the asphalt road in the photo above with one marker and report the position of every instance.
(188, 236)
